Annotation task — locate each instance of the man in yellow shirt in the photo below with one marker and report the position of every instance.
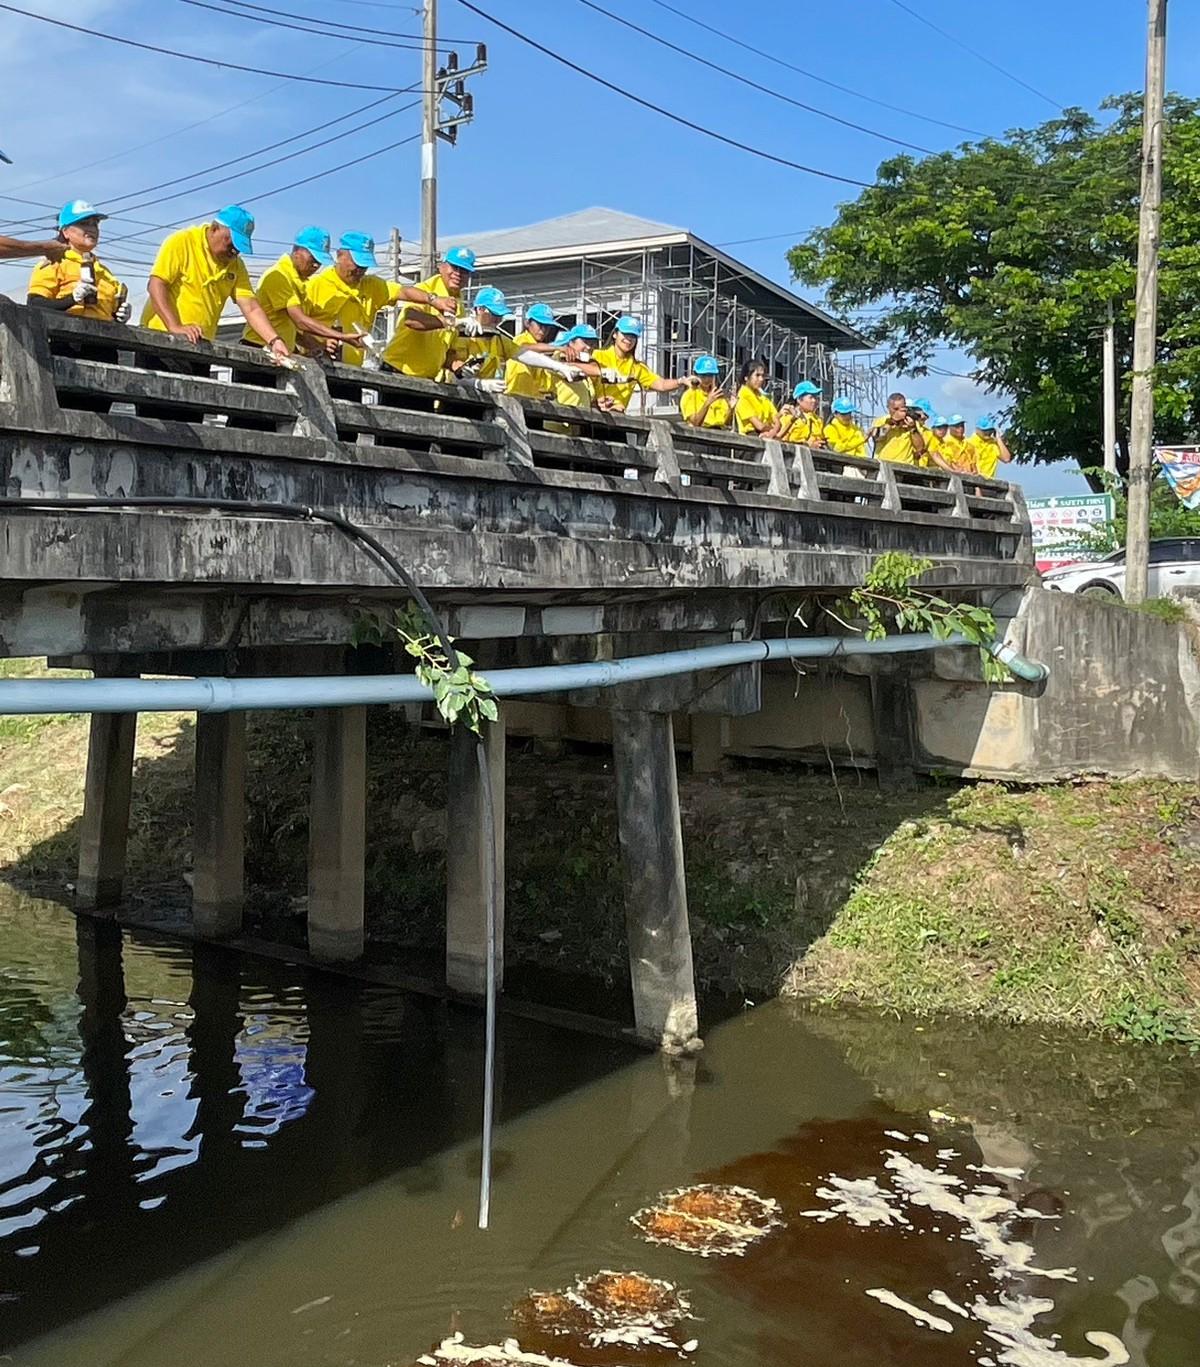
(78, 283)
(938, 426)
(541, 328)
(426, 328)
(896, 436)
(988, 448)
(802, 422)
(486, 356)
(621, 372)
(842, 433)
(706, 404)
(283, 294)
(954, 445)
(195, 274)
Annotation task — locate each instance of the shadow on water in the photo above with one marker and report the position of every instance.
(162, 1103)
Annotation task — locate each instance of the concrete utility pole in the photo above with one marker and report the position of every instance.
(1110, 394)
(429, 85)
(1141, 426)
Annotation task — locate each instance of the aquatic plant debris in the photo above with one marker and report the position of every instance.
(709, 1219)
(456, 1349)
(914, 1311)
(609, 1309)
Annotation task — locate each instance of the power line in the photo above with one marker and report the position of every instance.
(658, 109)
(191, 56)
(745, 80)
(353, 28)
(979, 56)
(307, 28)
(812, 76)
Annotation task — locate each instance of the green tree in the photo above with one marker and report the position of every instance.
(1011, 248)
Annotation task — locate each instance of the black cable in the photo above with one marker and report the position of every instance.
(309, 28)
(191, 56)
(746, 81)
(979, 56)
(658, 109)
(311, 19)
(812, 75)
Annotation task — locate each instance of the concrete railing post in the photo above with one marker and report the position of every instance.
(805, 474)
(467, 856)
(337, 834)
(891, 488)
(778, 481)
(510, 414)
(1020, 517)
(960, 496)
(218, 856)
(26, 369)
(309, 386)
(656, 913)
(104, 827)
(660, 443)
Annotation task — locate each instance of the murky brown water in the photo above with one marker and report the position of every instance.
(213, 1161)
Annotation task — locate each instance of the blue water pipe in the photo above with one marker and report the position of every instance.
(212, 694)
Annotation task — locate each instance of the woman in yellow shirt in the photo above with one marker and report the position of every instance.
(954, 445)
(756, 415)
(842, 433)
(705, 404)
(79, 283)
(801, 419)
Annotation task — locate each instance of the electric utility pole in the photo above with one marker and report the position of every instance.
(1110, 394)
(1141, 425)
(441, 85)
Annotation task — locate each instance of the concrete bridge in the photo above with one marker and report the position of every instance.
(152, 522)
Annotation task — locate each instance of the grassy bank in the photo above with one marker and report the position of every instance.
(1077, 904)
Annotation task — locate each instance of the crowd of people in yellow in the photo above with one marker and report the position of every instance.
(321, 300)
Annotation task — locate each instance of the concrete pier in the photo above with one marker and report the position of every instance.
(104, 827)
(467, 857)
(337, 834)
(656, 914)
(218, 858)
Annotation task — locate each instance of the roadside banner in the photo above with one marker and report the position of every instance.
(1181, 466)
(1057, 523)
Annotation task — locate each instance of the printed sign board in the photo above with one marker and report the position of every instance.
(1058, 520)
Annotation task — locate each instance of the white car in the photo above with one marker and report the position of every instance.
(1174, 564)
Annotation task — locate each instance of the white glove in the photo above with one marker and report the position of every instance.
(83, 293)
(493, 386)
(468, 326)
(611, 376)
(124, 312)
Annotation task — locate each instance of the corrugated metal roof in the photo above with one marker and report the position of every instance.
(586, 228)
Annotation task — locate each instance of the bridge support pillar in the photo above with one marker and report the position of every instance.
(218, 856)
(104, 829)
(467, 857)
(893, 713)
(337, 834)
(710, 738)
(656, 913)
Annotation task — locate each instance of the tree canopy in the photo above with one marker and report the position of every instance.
(1011, 249)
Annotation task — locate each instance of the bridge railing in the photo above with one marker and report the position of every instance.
(88, 379)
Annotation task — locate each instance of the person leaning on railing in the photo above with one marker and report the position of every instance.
(79, 283)
(800, 420)
(842, 434)
(425, 329)
(954, 444)
(896, 436)
(527, 382)
(482, 352)
(706, 404)
(282, 291)
(987, 448)
(754, 412)
(621, 372)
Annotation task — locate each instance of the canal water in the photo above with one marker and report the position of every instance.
(210, 1160)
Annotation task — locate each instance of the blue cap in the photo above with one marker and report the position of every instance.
(76, 211)
(805, 387)
(361, 247)
(629, 325)
(240, 223)
(706, 365)
(924, 406)
(316, 241)
(541, 313)
(986, 422)
(938, 421)
(462, 257)
(581, 332)
(843, 405)
(493, 300)
(955, 420)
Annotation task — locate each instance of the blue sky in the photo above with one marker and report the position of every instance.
(517, 164)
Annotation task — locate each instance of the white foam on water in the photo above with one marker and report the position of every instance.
(939, 1297)
(995, 1171)
(947, 1154)
(1010, 1324)
(923, 1138)
(921, 1316)
(897, 1134)
(860, 1200)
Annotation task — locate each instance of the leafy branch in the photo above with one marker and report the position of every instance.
(887, 599)
(461, 695)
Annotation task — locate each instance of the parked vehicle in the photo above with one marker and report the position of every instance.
(1174, 564)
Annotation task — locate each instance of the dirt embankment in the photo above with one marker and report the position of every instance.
(1077, 904)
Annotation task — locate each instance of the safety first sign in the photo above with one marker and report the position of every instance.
(1057, 523)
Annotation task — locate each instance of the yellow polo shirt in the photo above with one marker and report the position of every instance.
(751, 405)
(806, 428)
(637, 375)
(985, 454)
(846, 438)
(955, 452)
(897, 446)
(279, 289)
(352, 308)
(719, 412)
(199, 285)
(422, 353)
(522, 380)
(56, 279)
(497, 351)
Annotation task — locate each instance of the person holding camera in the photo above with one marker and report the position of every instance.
(897, 436)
